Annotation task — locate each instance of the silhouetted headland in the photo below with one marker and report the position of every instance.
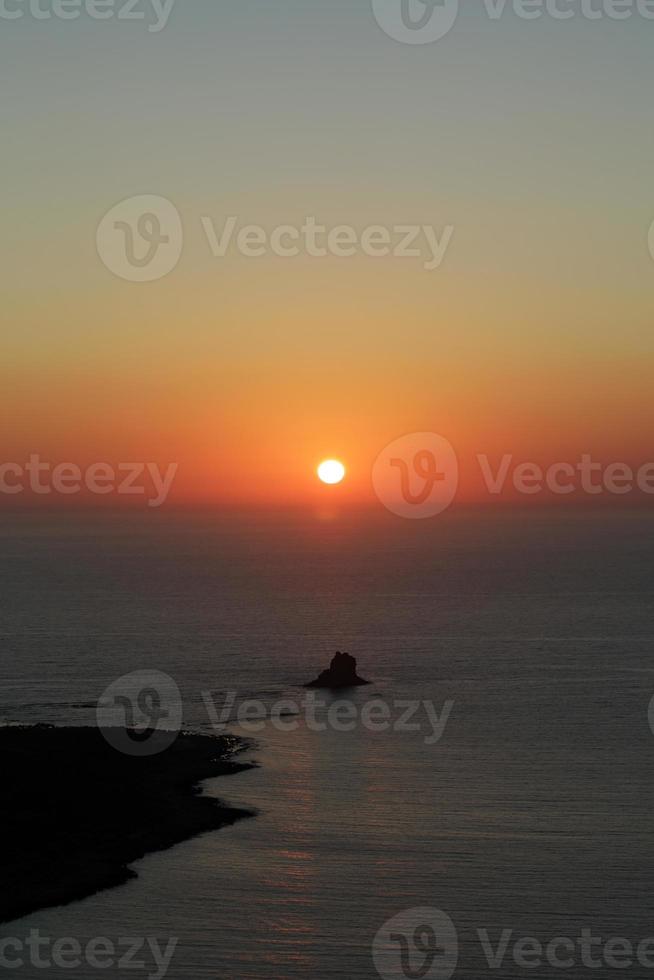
(342, 672)
(76, 812)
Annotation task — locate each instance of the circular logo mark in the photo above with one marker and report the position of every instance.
(416, 476)
(419, 942)
(141, 238)
(650, 715)
(416, 21)
(140, 713)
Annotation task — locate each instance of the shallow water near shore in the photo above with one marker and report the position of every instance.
(533, 811)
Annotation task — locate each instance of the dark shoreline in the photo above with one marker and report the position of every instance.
(76, 812)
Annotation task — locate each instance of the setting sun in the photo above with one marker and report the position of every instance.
(331, 471)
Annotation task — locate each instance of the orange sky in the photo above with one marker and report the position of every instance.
(534, 336)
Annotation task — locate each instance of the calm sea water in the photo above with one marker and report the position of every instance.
(533, 813)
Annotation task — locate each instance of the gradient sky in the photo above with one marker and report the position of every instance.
(535, 140)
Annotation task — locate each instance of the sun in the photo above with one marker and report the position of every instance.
(331, 471)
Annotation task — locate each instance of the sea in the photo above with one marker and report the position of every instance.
(488, 811)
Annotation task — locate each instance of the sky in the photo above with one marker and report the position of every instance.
(532, 140)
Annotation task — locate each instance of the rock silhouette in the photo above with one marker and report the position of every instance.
(75, 806)
(342, 672)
